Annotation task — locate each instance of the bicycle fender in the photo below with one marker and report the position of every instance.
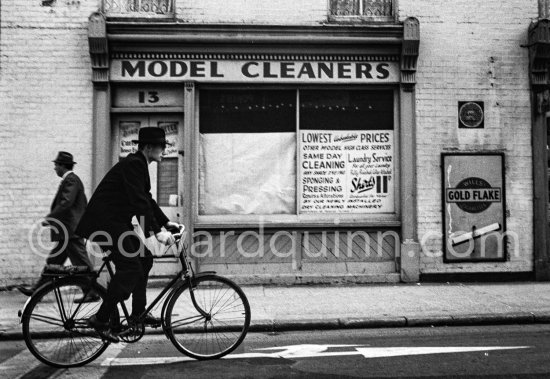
(204, 273)
(172, 293)
(22, 311)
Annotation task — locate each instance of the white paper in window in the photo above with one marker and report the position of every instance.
(247, 173)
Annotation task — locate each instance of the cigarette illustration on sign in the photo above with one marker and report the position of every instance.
(473, 207)
(475, 233)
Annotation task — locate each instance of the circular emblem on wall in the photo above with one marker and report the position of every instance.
(470, 114)
(473, 206)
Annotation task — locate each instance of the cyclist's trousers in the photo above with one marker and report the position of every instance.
(132, 263)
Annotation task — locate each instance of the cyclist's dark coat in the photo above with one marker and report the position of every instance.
(124, 192)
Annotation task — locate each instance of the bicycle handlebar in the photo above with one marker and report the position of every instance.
(179, 234)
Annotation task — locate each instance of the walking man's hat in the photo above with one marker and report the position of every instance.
(64, 158)
(152, 135)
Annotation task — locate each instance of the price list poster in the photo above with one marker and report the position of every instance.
(346, 171)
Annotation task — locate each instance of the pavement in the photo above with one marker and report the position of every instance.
(302, 307)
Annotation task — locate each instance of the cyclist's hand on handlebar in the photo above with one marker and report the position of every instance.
(165, 237)
(172, 227)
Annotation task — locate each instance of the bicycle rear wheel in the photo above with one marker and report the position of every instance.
(224, 327)
(55, 328)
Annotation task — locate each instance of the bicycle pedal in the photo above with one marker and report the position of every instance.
(123, 333)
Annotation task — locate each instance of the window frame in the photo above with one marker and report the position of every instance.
(111, 12)
(360, 18)
(305, 219)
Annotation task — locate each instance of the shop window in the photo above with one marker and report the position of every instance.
(167, 184)
(256, 159)
(247, 152)
(368, 10)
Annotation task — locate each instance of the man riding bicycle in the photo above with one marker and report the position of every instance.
(124, 193)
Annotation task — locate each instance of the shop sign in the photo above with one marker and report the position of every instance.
(346, 171)
(254, 71)
(473, 214)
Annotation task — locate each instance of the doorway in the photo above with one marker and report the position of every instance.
(167, 185)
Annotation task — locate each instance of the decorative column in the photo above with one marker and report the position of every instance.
(543, 8)
(410, 248)
(190, 164)
(539, 75)
(99, 54)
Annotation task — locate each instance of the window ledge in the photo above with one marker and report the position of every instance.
(356, 19)
(293, 221)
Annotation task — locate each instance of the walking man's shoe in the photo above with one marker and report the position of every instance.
(27, 291)
(102, 328)
(91, 297)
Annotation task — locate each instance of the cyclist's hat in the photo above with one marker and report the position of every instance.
(152, 135)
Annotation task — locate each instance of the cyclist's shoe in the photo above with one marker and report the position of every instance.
(102, 328)
(91, 297)
(150, 320)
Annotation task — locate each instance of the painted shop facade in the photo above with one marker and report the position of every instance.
(372, 147)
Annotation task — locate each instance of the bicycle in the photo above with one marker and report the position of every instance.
(205, 316)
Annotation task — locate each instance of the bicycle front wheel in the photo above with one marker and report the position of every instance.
(220, 329)
(55, 328)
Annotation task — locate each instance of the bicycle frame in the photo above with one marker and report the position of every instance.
(185, 276)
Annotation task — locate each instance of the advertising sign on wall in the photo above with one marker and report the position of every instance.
(346, 171)
(474, 207)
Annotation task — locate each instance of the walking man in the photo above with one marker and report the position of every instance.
(123, 193)
(67, 208)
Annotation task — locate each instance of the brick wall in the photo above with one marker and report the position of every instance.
(46, 103)
(284, 12)
(471, 50)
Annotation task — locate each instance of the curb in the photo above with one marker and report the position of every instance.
(275, 326)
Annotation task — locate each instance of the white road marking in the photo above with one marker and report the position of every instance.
(18, 365)
(24, 362)
(381, 352)
(314, 351)
(95, 369)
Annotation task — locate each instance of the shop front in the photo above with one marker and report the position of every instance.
(293, 148)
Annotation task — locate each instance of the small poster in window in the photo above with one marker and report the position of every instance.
(346, 171)
(128, 131)
(171, 130)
